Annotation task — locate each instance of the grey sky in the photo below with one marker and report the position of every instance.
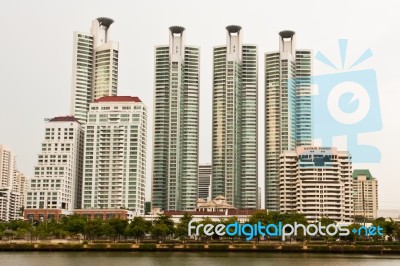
(36, 45)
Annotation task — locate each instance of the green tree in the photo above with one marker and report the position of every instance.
(266, 217)
(74, 224)
(182, 227)
(114, 228)
(389, 227)
(94, 229)
(352, 236)
(167, 221)
(292, 218)
(159, 230)
(325, 221)
(138, 228)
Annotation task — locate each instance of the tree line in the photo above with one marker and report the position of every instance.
(163, 228)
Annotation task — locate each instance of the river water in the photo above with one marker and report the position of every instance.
(189, 258)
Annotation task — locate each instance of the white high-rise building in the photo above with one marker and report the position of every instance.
(95, 67)
(9, 199)
(7, 167)
(20, 186)
(365, 197)
(234, 128)
(205, 177)
(316, 181)
(115, 154)
(57, 180)
(287, 108)
(176, 124)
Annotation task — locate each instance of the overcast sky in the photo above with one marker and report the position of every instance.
(36, 58)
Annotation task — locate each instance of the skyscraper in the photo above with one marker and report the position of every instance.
(176, 124)
(57, 180)
(205, 177)
(115, 154)
(95, 67)
(234, 144)
(7, 166)
(317, 181)
(9, 199)
(287, 108)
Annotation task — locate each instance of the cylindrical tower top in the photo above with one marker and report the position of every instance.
(233, 29)
(177, 29)
(104, 21)
(287, 42)
(287, 34)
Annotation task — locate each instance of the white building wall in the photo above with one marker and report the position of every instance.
(58, 172)
(115, 154)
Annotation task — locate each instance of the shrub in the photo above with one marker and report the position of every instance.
(266, 247)
(218, 246)
(121, 246)
(97, 246)
(147, 246)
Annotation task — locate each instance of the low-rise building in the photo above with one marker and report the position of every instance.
(365, 194)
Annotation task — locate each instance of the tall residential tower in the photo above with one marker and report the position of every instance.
(287, 108)
(115, 154)
(234, 143)
(176, 124)
(95, 67)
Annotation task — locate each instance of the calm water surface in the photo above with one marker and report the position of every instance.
(178, 259)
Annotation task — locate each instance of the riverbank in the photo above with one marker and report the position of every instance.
(214, 247)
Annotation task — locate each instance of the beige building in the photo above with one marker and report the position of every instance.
(218, 204)
(365, 194)
(20, 185)
(316, 181)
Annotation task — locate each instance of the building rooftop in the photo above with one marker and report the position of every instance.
(177, 29)
(363, 172)
(233, 28)
(286, 34)
(64, 119)
(105, 21)
(218, 202)
(117, 99)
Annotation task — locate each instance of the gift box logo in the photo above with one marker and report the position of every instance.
(346, 103)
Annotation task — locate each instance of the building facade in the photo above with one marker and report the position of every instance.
(12, 186)
(234, 133)
(176, 124)
(365, 191)
(317, 182)
(57, 179)
(20, 186)
(205, 177)
(287, 108)
(115, 154)
(9, 200)
(7, 166)
(95, 67)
